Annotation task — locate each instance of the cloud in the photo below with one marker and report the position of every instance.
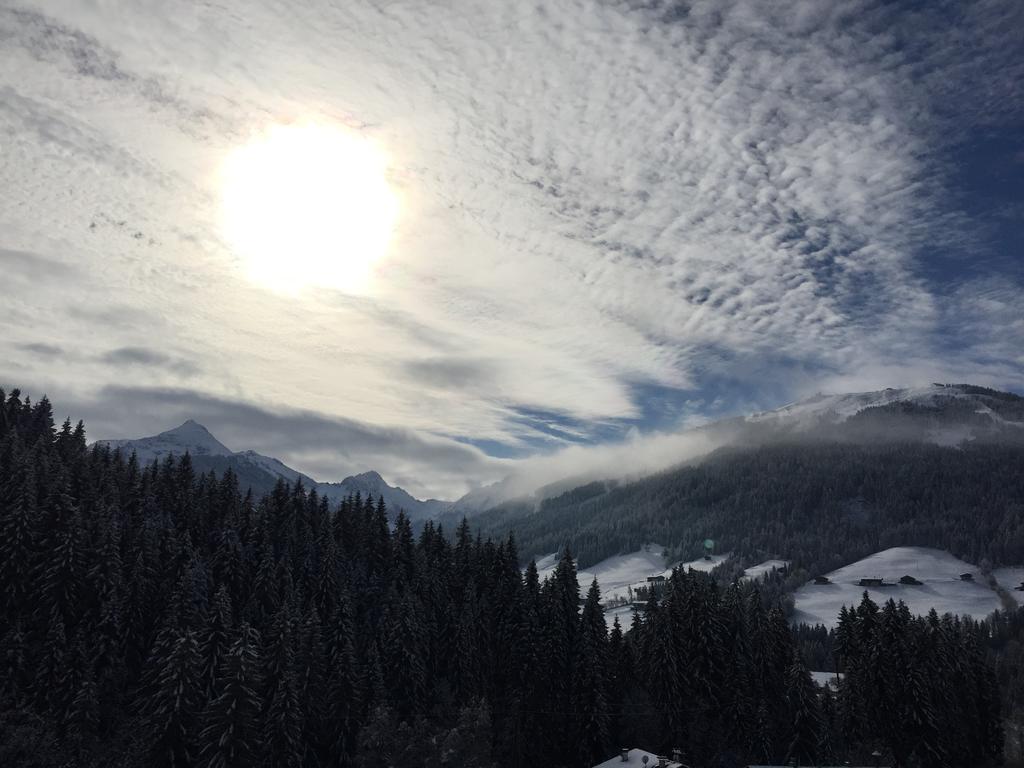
(326, 448)
(614, 216)
(42, 350)
(126, 356)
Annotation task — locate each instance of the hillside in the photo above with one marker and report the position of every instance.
(940, 586)
(821, 505)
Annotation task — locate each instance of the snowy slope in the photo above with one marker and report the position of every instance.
(635, 759)
(938, 571)
(615, 574)
(998, 410)
(618, 575)
(706, 564)
(1009, 579)
(756, 571)
(190, 436)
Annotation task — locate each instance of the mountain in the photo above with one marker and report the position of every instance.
(945, 414)
(823, 482)
(190, 436)
(941, 414)
(260, 473)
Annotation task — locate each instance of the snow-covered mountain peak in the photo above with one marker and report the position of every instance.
(261, 472)
(833, 409)
(369, 478)
(195, 437)
(191, 437)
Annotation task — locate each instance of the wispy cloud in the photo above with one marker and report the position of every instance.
(602, 202)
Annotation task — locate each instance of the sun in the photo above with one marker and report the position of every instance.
(308, 205)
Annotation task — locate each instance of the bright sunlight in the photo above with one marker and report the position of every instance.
(308, 205)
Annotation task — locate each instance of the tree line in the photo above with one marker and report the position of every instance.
(162, 617)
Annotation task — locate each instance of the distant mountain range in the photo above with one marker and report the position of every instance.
(941, 414)
(261, 473)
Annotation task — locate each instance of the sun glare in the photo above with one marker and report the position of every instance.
(308, 205)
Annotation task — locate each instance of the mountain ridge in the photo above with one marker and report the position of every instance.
(261, 473)
(942, 414)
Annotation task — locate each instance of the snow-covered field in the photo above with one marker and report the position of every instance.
(617, 575)
(756, 571)
(941, 587)
(706, 563)
(1009, 579)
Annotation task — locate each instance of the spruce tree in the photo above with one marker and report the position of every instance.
(231, 738)
(174, 703)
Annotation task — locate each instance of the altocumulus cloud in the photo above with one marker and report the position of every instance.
(600, 200)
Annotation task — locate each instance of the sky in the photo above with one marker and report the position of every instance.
(615, 220)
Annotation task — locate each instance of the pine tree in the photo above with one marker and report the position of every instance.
(17, 510)
(173, 703)
(215, 642)
(283, 723)
(805, 742)
(590, 694)
(232, 737)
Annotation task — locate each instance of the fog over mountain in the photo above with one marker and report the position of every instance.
(940, 414)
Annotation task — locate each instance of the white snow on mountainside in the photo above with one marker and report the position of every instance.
(941, 587)
(838, 408)
(1011, 579)
(190, 436)
(761, 569)
(618, 575)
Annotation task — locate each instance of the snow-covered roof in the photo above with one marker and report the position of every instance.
(635, 759)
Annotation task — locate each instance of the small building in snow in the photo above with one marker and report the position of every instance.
(655, 579)
(871, 583)
(639, 758)
(966, 577)
(910, 580)
(821, 580)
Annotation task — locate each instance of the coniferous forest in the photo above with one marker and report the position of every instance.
(156, 616)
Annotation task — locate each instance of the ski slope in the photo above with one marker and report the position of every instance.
(941, 587)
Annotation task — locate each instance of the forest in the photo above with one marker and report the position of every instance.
(156, 616)
(822, 504)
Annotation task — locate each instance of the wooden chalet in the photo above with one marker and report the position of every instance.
(872, 582)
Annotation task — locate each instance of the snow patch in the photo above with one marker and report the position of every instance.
(941, 587)
(1009, 579)
(759, 570)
